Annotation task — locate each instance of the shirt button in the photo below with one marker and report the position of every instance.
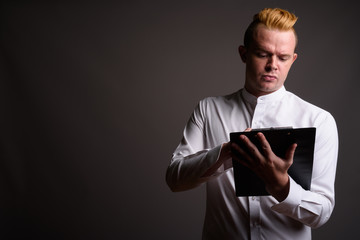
(253, 198)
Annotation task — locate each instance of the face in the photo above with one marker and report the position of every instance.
(268, 60)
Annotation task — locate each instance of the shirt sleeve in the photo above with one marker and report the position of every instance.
(192, 159)
(314, 207)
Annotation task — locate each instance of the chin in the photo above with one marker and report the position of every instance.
(265, 91)
(269, 87)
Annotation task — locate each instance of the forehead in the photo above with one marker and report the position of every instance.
(273, 39)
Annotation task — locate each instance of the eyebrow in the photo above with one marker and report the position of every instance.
(256, 48)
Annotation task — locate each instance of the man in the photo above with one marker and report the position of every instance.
(204, 154)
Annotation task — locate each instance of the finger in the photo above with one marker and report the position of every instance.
(265, 145)
(248, 130)
(251, 148)
(241, 161)
(240, 155)
(289, 156)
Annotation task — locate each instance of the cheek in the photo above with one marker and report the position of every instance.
(256, 66)
(285, 69)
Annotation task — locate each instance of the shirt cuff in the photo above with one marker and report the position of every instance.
(212, 157)
(292, 200)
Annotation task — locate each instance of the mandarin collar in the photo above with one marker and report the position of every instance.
(275, 96)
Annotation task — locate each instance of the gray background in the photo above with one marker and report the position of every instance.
(94, 97)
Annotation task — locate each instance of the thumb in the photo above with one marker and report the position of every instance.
(289, 156)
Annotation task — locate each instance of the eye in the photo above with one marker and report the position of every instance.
(284, 58)
(261, 54)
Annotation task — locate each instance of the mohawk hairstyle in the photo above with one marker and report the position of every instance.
(272, 18)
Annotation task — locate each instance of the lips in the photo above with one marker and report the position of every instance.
(269, 77)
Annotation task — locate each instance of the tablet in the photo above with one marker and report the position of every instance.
(280, 139)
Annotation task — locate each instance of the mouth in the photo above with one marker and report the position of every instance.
(269, 78)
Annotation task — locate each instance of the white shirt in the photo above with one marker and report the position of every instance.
(232, 217)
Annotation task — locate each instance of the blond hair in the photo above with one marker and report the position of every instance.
(272, 18)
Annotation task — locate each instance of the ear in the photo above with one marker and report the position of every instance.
(242, 52)
(295, 57)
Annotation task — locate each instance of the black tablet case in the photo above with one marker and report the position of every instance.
(248, 184)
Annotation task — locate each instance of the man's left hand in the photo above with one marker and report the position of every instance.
(266, 165)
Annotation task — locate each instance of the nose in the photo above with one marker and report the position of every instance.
(271, 64)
